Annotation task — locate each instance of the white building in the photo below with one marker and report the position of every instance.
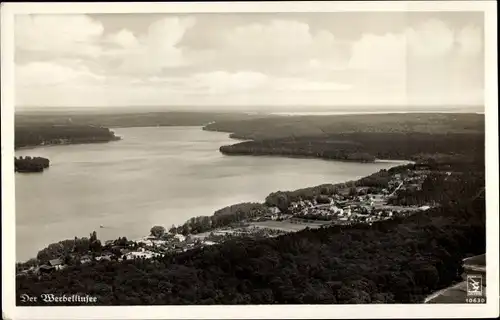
(142, 254)
(146, 242)
(85, 259)
(180, 237)
(275, 210)
(158, 242)
(347, 211)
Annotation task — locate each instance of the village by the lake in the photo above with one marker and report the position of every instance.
(351, 203)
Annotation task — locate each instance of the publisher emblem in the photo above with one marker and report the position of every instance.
(474, 285)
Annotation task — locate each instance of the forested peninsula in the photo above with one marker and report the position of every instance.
(45, 134)
(38, 128)
(362, 138)
(362, 147)
(42, 134)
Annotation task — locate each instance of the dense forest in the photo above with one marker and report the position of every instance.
(400, 260)
(79, 246)
(69, 127)
(40, 134)
(29, 164)
(125, 119)
(440, 188)
(265, 128)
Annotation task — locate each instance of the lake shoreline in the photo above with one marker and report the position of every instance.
(64, 144)
(357, 207)
(262, 202)
(260, 198)
(398, 161)
(230, 136)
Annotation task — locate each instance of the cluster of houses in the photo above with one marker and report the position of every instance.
(411, 181)
(143, 248)
(360, 206)
(148, 248)
(152, 246)
(51, 265)
(366, 208)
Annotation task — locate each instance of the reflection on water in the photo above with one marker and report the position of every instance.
(153, 176)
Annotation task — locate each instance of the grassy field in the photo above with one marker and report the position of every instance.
(287, 225)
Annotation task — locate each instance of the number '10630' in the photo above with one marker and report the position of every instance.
(476, 300)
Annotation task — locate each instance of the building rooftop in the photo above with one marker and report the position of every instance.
(55, 262)
(453, 294)
(46, 267)
(479, 260)
(458, 292)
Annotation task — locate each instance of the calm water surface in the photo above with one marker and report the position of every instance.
(154, 176)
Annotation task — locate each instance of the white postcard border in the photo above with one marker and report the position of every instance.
(10, 311)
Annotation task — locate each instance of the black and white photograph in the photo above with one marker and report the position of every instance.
(254, 157)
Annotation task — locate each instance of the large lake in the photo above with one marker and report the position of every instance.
(154, 176)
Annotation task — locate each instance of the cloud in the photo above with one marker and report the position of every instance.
(278, 37)
(63, 36)
(220, 82)
(168, 32)
(124, 39)
(59, 35)
(306, 85)
(50, 74)
(382, 53)
(432, 38)
(430, 63)
(66, 57)
(470, 41)
(242, 82)
(154, 51)
(278, 61)
(280, 45)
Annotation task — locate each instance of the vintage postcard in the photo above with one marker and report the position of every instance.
(249, 160)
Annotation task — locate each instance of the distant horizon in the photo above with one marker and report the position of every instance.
(361, 109)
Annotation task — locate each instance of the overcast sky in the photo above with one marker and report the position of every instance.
(256, 59)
